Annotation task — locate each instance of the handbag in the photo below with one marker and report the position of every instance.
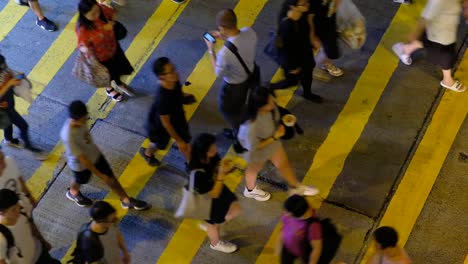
(119, 30)
(351, 25)
(89, 70)
(194, 205)
(23, 90)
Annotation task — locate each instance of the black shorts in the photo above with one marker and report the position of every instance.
(82, 177)
(161, 138)
(444, 56)
(325, 29)
(220, 206)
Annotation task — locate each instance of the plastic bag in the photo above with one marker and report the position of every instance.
(23, 90)
(351, 24)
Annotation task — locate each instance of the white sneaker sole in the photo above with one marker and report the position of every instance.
(258, 197)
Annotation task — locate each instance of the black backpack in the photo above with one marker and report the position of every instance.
(331, 240)
(9, 238)
(90, 240)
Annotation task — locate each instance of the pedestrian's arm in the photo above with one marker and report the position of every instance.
(218, 186)
(166, 122)
(123, 247)
(112, 182)
(316, 251)
(26, 191)
(8, 85)
(36, 233)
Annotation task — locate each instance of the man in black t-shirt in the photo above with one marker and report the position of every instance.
(166, 118)
(322, 18)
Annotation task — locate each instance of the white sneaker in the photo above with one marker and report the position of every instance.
(124, 88)
(257, 194)
(304, 190)
(398, 50)
(224, 246)
(15, 143)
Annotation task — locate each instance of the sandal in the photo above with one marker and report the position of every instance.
(456, 86)
(114, 95)
(332, 70)
(398, 50)
(122, 87)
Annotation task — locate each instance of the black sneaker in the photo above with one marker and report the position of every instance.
(46, 24)
(314, 98)
(22, 2)
(178, 1)
(152, 161)
(79, 199)
(138, 205)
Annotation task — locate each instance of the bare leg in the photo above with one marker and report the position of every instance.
(411, 47)
(233, 212)
(151, 150)
(251, 175)
(281, 162)
(213, 233)
(75, 188)
(448, 79)
(36, 8)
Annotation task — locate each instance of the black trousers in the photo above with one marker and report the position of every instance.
(232, 103)
(17, 120)
(304, 77)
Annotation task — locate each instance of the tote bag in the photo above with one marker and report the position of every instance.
(351, 25)
(89, 70)
(193, 205)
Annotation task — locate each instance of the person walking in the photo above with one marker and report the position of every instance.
(84, 158)
(166, 118)
(387, 250)
(41, 21)
(100, 241)
(20, 239)
(96, 37)
(295, 54)
(322, 20)
(8, 81)
(209, 178)
(261, 134)
(237, 80)
(436, 32)
(296, 230)
(10, 178)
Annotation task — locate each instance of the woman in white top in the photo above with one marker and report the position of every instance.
(437, 33)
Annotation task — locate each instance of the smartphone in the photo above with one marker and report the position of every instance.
(209, 37)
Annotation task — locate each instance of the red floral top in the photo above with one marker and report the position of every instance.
(100, 40)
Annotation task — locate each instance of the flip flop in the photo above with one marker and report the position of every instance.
(456, 87)
(398, 50)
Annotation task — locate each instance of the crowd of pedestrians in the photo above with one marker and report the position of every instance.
(306, 36)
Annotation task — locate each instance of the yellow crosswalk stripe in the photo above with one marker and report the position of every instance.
(416, 184)
(329, 159)
(139, 51)
(10, 15)
(188, 238)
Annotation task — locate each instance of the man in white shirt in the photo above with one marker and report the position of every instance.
(20, 240)
(236, 80)
(437, 33)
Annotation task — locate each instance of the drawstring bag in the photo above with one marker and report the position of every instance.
(351, 25)
(89, 70)
(194, 205)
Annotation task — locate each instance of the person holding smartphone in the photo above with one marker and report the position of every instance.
(235, 87)
(8, 81)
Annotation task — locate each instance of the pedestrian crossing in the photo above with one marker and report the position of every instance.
(326, 163)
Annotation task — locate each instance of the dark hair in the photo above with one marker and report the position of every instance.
(285, 8)
(258, 98)
(386, 236)
(100, 211)
(2, 59)
(296, 205)
(226, 18)
(77, 110)
(83, 8)
(8, 198)
(200, 147)
(158, 65)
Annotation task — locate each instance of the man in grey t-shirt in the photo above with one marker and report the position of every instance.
(84, 158)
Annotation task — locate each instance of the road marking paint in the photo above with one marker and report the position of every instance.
(329, 159)
(421, 174)
(138, 52)
(10, 15)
